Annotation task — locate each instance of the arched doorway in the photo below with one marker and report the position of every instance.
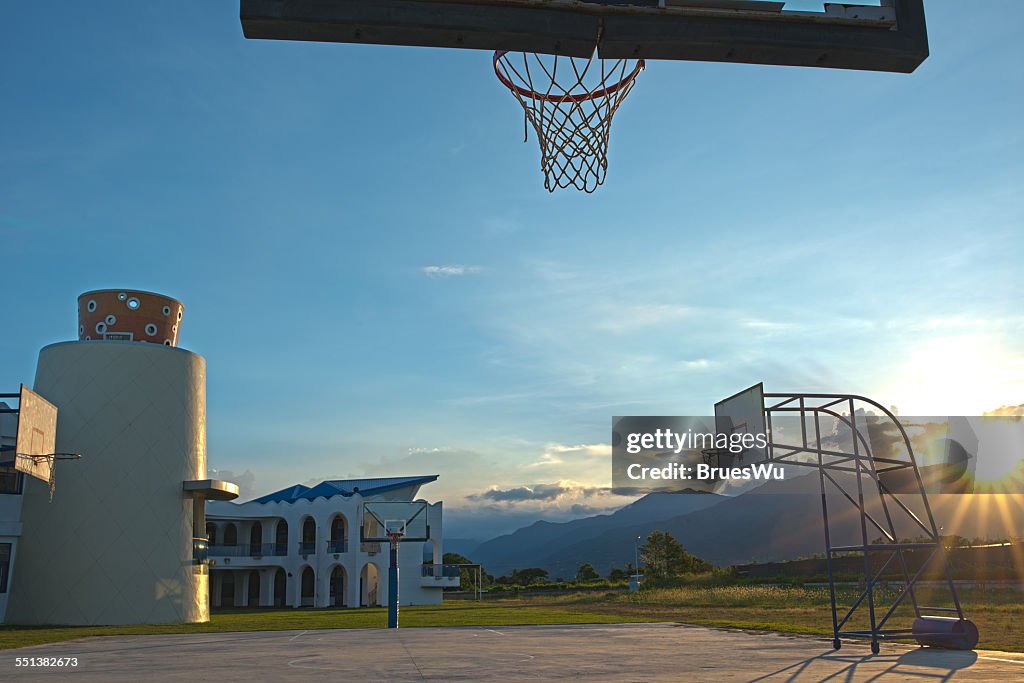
(369, 586)
(281, 538)
(227, 589)
(308, 587)
(280, 588)
(230, 535)
(254, 589)
(339, 587)
(256, 539)
(211, 533)
(308, 544)
(339, 535)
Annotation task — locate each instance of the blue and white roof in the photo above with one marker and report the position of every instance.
(344, 487)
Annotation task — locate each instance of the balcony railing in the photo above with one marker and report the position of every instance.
(258, 550)
(307, 549)
(448, 571)
(340, 546)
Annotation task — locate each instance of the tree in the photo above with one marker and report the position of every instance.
(586, 572)
(664, 556)
(524, 577)
(468, 575)
(618, 574)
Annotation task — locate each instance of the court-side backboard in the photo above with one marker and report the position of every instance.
(890, 35)
(743, 413)
(384, 517)
(37, 435)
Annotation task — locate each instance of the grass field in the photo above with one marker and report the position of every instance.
(998, 614)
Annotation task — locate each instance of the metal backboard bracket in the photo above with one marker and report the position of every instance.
(892, 37)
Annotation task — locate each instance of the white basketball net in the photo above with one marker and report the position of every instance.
(570, 107)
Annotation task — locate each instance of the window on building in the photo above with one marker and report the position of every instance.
(256, 539)
(5, 565)
(281, 538)
(308, 545)
(10, 480)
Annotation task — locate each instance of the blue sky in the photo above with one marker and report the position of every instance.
(814, 229)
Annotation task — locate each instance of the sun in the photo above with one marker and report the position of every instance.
(965, 374)
(1008, 481)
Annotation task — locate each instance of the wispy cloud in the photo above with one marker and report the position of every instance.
(540, 492)
(1008, 411)
(633, 318)
(442, 272)
(561, 454)
(428, 451)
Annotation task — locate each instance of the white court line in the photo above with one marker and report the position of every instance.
(1000, 659)
(297, 635)
(493, 631)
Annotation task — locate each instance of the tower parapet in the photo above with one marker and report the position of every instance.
(129, 315)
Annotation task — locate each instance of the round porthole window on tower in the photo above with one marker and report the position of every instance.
(167, 342)
(167, 311)
(91, 306)
(81, 330)
(134, 304)
(179, 314)
(101, 328)
(122, 296)
(151, 329)
(111, 319)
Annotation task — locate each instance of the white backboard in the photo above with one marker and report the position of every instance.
(742, 413)
(381, 517)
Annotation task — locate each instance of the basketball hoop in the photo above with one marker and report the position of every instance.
(571, 110)
(52, 459)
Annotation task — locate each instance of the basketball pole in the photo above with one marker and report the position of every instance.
(393, 583)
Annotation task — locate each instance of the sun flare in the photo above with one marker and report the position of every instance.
(966, 374)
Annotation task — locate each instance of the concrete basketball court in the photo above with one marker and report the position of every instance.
(623, 652)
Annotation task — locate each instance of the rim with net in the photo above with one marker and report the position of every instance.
(53, 457)
(546, 97)
(570, 102)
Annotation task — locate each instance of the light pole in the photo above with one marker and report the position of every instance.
(636, 560)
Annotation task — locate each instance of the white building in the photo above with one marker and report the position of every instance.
(299, 547)
(11, 484)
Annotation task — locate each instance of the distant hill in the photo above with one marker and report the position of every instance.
(463, 546)
(526, 546)
(780, 520)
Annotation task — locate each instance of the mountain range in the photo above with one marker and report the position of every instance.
(778, 520)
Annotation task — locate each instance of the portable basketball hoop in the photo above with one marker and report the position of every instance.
(570, 106)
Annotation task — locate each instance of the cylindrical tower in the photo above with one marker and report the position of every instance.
(115, 546)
